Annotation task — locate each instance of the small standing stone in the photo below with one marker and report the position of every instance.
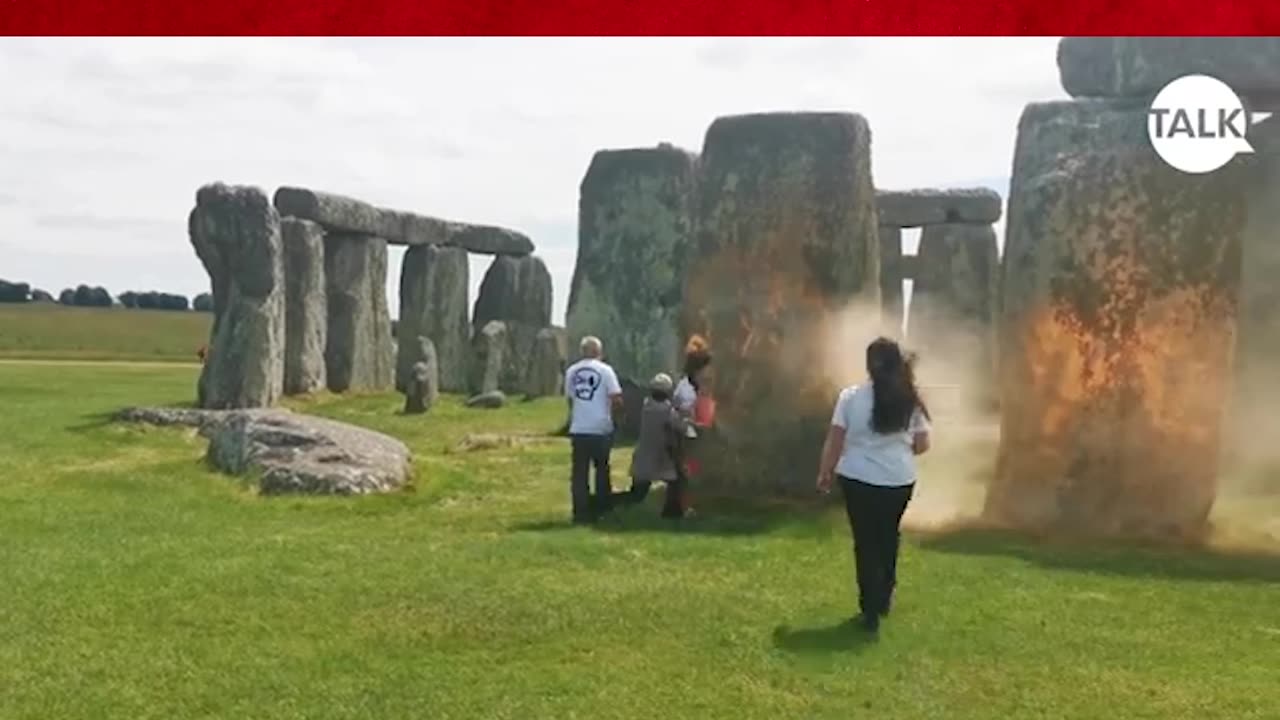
(423, 386)
(546, 369)
(488, 355)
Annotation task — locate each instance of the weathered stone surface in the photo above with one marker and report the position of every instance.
(547, 364)
(292, 453)
(635, 220)
(424, 380)
(433, 303)
(786, 241)
(891, 277)
(236, 234)
(488, 401)
(917, 208)
(358, 354)
(348, 215)
(1141, 66)
(489, 350)
(1120, 285)
(306, 306)
(953, 306)
(517, 292)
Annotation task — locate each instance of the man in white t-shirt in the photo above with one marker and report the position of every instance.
(594, 394)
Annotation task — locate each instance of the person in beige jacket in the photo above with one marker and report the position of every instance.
(657, 452)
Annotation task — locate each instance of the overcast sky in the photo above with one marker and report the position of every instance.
(103, 142)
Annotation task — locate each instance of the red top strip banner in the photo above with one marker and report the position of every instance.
(636, 17)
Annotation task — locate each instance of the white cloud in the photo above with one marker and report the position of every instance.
(103, 142)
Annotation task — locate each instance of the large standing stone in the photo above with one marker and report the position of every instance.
(786, 241)
(489, 350)
(891, 278)
(635, 218)
(547, 366)
(1141, 66)
(517, 292)
(953, 305)
(917, 208)
(1117, 327)
(306, 306)
(236, 234)
(358, 353)
(433, 303)
(423, 384)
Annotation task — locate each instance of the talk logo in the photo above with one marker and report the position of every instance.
(1198, 123)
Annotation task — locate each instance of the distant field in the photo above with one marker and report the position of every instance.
(56, 332)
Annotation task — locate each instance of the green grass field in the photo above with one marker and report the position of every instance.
(57, 332)
(135, 583)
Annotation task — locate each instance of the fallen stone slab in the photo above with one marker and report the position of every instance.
(1138, 67)
(291, 453)
(917, 208)
(398, 227)
(488, 401)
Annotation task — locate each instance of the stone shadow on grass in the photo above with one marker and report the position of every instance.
(1117, 558)
(844, 636)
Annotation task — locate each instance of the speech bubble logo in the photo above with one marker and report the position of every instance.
(1197, 123)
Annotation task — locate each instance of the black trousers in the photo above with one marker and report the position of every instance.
(875, 513)
(672, 506)
(590, 451)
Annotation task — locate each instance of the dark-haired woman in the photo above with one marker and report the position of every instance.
(877, 430)
(692, 399)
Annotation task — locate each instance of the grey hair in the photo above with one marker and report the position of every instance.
(591, 346)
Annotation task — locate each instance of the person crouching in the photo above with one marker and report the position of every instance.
(657, 452)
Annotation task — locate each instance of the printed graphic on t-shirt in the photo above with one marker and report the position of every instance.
(586, 382)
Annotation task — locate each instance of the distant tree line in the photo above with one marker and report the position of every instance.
(86, 296)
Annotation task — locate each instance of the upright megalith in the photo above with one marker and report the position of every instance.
(358, 351)
(1118, 323)
(236, 234)
(953, 304)
(635, 220)
(547, 364)
(786, 244)
(306, 306)
(433, 304)
(489, 350)
(516, 292)
(422, 386)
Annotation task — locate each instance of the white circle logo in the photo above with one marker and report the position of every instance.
(1197, 124)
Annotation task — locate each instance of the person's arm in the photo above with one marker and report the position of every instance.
(614, 390)
(919, 433)
(832, 447)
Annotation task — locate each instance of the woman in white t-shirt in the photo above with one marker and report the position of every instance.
(685, 398)
(877, 430)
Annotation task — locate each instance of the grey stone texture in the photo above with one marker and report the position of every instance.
(489, 348)
(433, 303)
(917, 208)
(635, 225)
(1139, 67)
(547, 364)
(358, 352)
(517, 292)
(236, 235)
(423, 386)
(306, 307)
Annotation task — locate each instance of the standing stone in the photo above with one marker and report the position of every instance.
(891, 278)
(423, 386)
(236, 234)
(1118, 323)
(488, 357)
(517, 292)
(547, 366)
(306, 307)
(433, 303)
(953, 309)
(787, 239)
(358, 353)
(635, 218)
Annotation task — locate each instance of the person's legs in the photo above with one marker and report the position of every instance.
(860, 505)
(673, 505)
(602, 446)
(896, 507)
(578, 487)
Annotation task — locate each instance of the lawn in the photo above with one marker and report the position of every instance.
(135, 583)
(59, 332)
